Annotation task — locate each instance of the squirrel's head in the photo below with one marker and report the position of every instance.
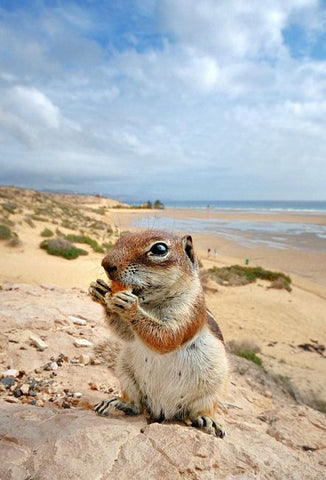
(152, 261)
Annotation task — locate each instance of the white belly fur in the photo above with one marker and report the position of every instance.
(191, 376)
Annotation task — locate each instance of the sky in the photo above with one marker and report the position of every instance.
(165, 99)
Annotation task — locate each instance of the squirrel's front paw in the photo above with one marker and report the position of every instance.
(124, 302)
(98, 291)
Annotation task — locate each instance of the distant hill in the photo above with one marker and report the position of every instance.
(28, 215)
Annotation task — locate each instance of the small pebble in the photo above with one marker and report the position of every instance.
(38, 342)
(82, 342)
(11, 400)
(96, 361)
(17, 393)
(12, 372)
(25, 389)
(78, 321)
(78, 394)
(8, 382)
(84, 359)
(93, 386)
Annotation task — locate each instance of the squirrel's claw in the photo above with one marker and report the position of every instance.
(103, 407)
(208, 424)
(98, 290)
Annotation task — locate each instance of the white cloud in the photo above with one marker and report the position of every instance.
(221, 109)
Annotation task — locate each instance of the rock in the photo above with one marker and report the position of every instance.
(17, 393)
(78, 321)
(84, 359)
(11, 372)
(38, 342)
(50, 366)
(8, 382)
(49, 432)
(82, 342)
(24, 389)
(52, 443)
(11, 400)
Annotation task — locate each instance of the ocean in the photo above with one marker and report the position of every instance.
(253, 205)
(264, 230)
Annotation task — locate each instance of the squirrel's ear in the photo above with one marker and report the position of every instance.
(189, 249)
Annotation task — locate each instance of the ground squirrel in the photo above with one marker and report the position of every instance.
(171, 362)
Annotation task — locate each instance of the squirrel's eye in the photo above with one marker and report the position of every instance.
(159, 248)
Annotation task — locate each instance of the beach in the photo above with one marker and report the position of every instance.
(276, 321)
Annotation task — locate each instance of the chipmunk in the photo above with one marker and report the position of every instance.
(172, 363)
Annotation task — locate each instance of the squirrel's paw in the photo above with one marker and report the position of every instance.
(208, 424)
(104, 407)
(124, 302)
(98, 291)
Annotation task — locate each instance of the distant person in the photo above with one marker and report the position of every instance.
(208, 252)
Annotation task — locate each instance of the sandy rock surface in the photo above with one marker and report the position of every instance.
(48, 428)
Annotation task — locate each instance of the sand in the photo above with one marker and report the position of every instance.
(275, 320)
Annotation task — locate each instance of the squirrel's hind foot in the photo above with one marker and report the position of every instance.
(208, 424)
(104, 407)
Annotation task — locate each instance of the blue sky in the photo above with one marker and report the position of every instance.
(170, 99)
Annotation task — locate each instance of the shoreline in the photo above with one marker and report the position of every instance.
(303, 265)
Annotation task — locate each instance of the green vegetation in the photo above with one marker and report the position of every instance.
(47, 233)
(157, 205)
(107, 246)
(243, 275)
(29, 221)
(5, 232)
(246, 350)
(86, 240)
(61, 247)
(10, 207)
(100, 210)
(37, 218)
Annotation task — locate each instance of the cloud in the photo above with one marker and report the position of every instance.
(190, 99)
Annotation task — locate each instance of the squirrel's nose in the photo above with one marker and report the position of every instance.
(108, 267)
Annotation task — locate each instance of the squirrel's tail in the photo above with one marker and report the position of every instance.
(108, 352)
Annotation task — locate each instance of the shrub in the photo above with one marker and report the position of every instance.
(246, 349)
(107, 246)
(29, 221)
(10, 207)
(86, 240)
(62, 248)
(14, 241)
(5, 232)
(240, 275)
(47, 233)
